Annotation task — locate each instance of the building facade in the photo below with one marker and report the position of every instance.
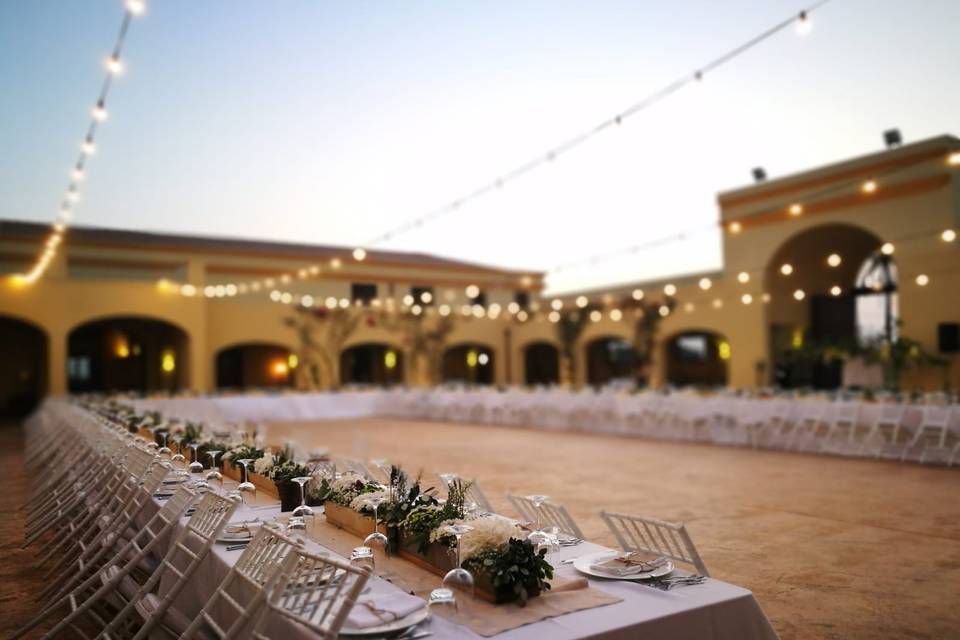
(861, 248)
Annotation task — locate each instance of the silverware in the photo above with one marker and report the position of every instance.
(667, 583)
(235, 547)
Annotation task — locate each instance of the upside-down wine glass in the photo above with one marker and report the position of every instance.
(196, 466)
(538, 537)
(376, 539)
(178, 457)
(246, 485)
(214, 473)
(164, 449)
(303, 509)
(458, 577)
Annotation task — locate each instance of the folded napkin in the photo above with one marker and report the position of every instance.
(569, 585)
(384, 610)
(241, 528)
(630, 563)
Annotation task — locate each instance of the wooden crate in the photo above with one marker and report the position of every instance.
(347, 519)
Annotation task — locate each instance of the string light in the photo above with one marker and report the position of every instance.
(717, 303)
(114, 65)
(868, 187)
(554, 316)
(887, 249)
(705, 284)
(664, 310)
(582, 301)
(799, 295)
(786, 269)
(616, 315)
(743, 277)
(670, 290)
(335, 263)
(804, 25)
(834, 260)
(359, 254)
(100, 112)
(735, 227)
(953, 159)
(923, 280)
(637, 294)
(796, 209)
(949, 235)
(835, 290)
(426, 297)
(746, 298)
(472, 291)
(688, 307)
(556, 305)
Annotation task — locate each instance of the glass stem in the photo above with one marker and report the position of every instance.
(303, 496)
(458, 552)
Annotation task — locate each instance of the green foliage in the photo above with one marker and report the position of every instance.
(404, 498)
(282, 470)
(515, 569)
(244, 452)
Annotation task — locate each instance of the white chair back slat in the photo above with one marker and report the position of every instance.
(635, 533)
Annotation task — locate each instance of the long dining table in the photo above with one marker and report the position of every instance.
(713, 610)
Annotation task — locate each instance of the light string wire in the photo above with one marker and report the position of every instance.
(801, 19)
(114, 65)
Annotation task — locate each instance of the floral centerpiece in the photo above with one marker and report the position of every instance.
(282, 471)
(346, 504)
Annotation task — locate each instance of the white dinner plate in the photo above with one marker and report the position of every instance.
(397, 626)
(229, 538)
(582, 564)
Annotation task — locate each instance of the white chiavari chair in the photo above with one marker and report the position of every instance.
(842, 419)
(239, 597)
(550, 515)
(635, 533)
(316, 591)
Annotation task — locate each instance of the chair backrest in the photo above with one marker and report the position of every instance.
(240, 596)
(317, 591)
(551, 515)
(473, 492)
(635, 533)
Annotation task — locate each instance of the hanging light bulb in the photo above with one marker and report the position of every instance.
(954, 159)
(717, 303)
(743, 277)
(556, 305)
(735, 227)
(88, 147)
(582, 301)
(834, 260)
(100, 111)
(804, 25)
(359, 254)
(616, 315)
(596, 316)
(77, 173)
(637, 294)
(554, 316)
(949, 235)
(746, 298)
(786, 269)
(796, 209)
(835, 290)
(335, 263)
(472, 291)
(887, 249)
(923, 280)
(868, 187)
(670, 290)
(799, 295)
(136, 7)
(664, 310)
(114, 65)
(705, 284)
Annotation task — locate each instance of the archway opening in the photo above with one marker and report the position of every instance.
(697, 358)
(541, 364)
(371, 364)
(610, 359)
(815, 285)
(126, 354)
(255, 365)
(23, 375)
(470, 363)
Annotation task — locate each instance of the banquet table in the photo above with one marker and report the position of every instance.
(714, 609)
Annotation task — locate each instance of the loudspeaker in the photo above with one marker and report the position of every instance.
(948, 337)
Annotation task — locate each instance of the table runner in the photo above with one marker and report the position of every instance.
(482, 617)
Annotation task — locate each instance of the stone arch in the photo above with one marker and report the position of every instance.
(541, 362)
(697, 357)
(252, 365)
(24, 375)
(127, 353)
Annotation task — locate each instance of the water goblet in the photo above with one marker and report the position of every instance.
(214, 473)
(441, 599)
(196, 466)
(164, 450)
(303, 510)
(376, 539)
(178, 457)
(458, 577)
(363, 557)
(246, 485)
(538, 537)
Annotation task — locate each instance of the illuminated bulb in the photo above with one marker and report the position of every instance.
(314, 269)
(416, 309)
(948, 235)
(359, 254)
(582, 301)
(835, 290)
(799, 295)
(77, 174)
(331, 302)
(664, 310)
(688, 307)
(426, 297)
(522, 316)
(344, 303)
(209, 291)
(286, 298)
(88, 147)
(705, 284)
(554, 316)
(100, 112)
(670, 290)
(735, 227)
(923, 280)
(556, 305)
(765, 297)
(887, 249)
(136, 7)
(72, 194)
(717, 303)
(59, 227)
(114, 65)
(834, 260)
(616, 315)
(595, 316)
(285, 278)
(478, 311)
(472, 291)
(466, 310)
(796, 209)
(637, 294)
(408, 300)
(301, 273)
(870, 186)
(743, 277)
(513, 307)
(954, 159)
(307, 300)
(494, 309)
(444, 310)
(804, 26)
(255, 286)
(746, 298)
(188, 290)
(335, 263)
(231, 289)
(786, 269)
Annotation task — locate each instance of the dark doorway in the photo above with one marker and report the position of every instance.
(468, 363)
(126, 354)
(609, 359)
(371, 364)
(541, 364)
(23, 373)
(697, 358)
(255, 366)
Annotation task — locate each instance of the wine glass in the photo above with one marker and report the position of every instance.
(458, 577)
(178, 457)
(164, 449)
(376, 538)
(214, 473)
(441, 599)
(246, 485)
(363, 557)
(538, 537)
(196, 466)
(303, 510)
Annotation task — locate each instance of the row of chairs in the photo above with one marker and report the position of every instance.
(109, 576)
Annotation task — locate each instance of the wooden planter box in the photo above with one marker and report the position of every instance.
(347, 519)
(439, 559)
